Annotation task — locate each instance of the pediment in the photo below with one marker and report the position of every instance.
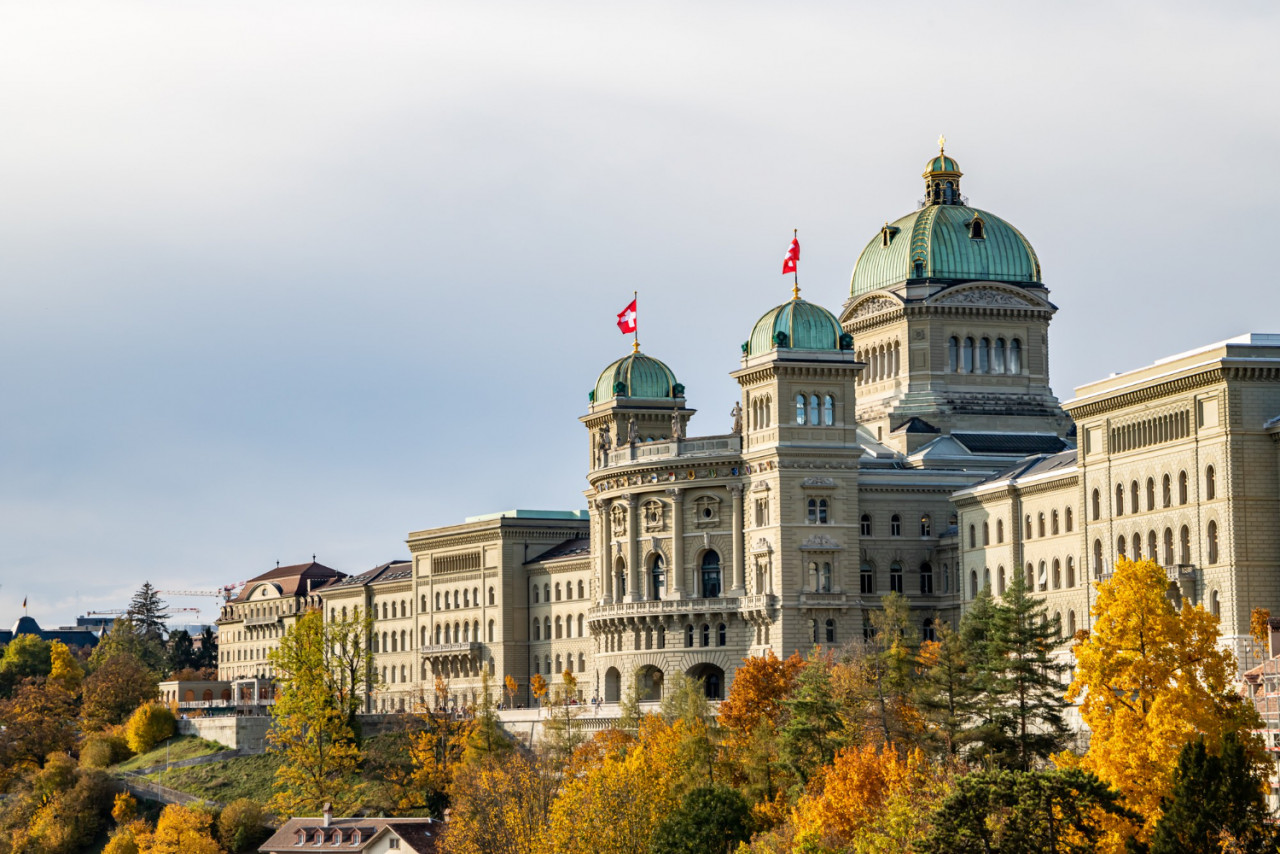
(988, 295)
(872, 304)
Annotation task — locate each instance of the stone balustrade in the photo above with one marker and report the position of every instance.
(642, 452)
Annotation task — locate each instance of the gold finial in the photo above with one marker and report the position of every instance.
(635, 346)
(942, 144)
(795, 292)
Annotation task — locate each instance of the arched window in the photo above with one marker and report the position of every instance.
(831, 631)
(1168, 546)
(1153, 552)
(546, 594)
(1168, 491)
(1119, 499)
(706, 635)
(986, 533)
(813, 410)
(1015, 356)
(1182, 487)
(926, 579)
(1042, 579)
(999, 530)
(1137, 546)
(973, 537)
(828, 410)
(864, 525)
(1097, 505)
(688, 635)
(1070, 520)
(721, 635)
(546, 627)
(711, 575)
(973, 583)
(1053, 522)
(1040, 524)
(984, 356)
(1027, 526)
(953, 352)
(657, 576)
(968, 355)
(824, 582)
(1000, 581)
(1213, 541)
(895, 577)
(581, 593)
(1184, 545)
(492, 596)
(822, 511)
(580, 625)
(800, 409)
(1097, 559)
(926, 526)
(1215, 607)
(535, 594)
(895, 525)
(997, 361)
(1122, 546)
(1210, 484)
(1133, 497)
(1071, 571)
(867, 578)
(1151, 493)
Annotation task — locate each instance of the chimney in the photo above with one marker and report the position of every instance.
(1273, 638)
(328, 813)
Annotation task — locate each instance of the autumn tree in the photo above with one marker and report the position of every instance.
(149, 725)
(512, 689)
(684, 702)
(1151, 679)
(311, 732)
(124, 637)
(242, 826)
(64, 670)
(37, 721)
(813, 730)
(59, 809)
(538, 687)
(117, 686)
(501, 807)
(751, 718)
(562, 732)
(437, 748)
(485, 737)
(891, 659)
(1026, 680)
(25, 657)
(180, 830)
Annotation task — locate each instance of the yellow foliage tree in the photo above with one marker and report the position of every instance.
(1151, 678)
(500, 807)
(538, 686)
(751, 717)
(149, 725)
(616, 805)
(870, 800)
(179, 830)
(66, 671)
(124, 808)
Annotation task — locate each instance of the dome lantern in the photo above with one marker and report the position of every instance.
(942, 179)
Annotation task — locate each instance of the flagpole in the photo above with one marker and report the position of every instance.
(795, 286)
(635, 345)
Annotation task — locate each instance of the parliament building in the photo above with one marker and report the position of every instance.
(910, 443)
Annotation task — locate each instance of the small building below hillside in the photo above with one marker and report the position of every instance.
(365, 835)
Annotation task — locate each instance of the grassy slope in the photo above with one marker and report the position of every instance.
(241, 777)
(183, 747)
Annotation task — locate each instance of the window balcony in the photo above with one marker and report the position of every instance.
(681, 607)
(268, 620)
(466, 648)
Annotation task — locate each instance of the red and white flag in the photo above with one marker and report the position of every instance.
(793, 257)
(627, 318)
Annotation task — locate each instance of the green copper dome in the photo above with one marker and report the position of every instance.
(942, 163)
(636, 375)
(950, 242)
(797, 325)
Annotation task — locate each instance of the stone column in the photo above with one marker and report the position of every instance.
(676, 586)
(603, 543)
(735, 530)
(633, 548)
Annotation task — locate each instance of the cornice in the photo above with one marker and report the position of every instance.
(1154, 391)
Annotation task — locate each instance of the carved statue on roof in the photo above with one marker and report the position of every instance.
(736, 412)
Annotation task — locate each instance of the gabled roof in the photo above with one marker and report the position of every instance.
(419, 834)
(915, 425)
(576, 547)
(395, 570)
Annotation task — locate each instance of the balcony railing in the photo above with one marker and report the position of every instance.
(678, 448)
(268, 620)
(470, 648)
(666, 607)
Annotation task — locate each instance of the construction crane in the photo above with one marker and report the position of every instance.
(119, 612)
(224, 593)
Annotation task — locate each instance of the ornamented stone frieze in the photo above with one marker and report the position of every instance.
(986, 296)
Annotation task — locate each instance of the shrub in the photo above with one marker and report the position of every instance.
(149, 725)
(101, 750)
(241, 827)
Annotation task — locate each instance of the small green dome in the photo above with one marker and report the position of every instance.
(942, 163)
(636, 375)
(796, 325)
(950, 242)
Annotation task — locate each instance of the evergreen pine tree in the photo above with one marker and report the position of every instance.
(893, 664)
(1217, 803)
(949, 690)
(182, 651)
(486, 738)
(814, 728)
(148, 613)
(207, 654)
(1026, 680)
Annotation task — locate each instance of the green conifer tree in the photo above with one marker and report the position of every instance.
(814, 729)
(949, 690)
(148, 613)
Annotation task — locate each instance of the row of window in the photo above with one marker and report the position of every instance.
(1152, 431)
(568, 591)
(1153, 553)
(563, 627)
(924, 573)
(444, 633)
(466, 599)
(560, 664)
(656, 638)
(709, 576)
(814, 410)
(866, 525)
(1166, 493)
(883, 362)
(984, 356)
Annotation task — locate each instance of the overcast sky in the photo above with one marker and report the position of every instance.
(289, 278)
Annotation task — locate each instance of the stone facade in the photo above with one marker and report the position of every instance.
(250, 625)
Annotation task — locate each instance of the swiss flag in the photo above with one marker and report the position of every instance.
(793, 257)
(627, 318)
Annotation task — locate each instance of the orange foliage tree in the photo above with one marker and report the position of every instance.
(751, 717)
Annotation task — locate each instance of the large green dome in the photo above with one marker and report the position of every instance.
(636, 375)
(948, 242)
(797, 325)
